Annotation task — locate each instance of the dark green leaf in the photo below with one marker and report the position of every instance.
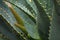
(43, 21)
(55, 23)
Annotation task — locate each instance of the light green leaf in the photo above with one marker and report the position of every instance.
(20, 4)
(7, 15)
(29, 24)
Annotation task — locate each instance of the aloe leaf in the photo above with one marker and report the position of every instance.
(43, 21)
(6, 13)
(24, 16)
(43, 3)
(5, 29)
(8, 16)
(54, 29)
(21, 6)
(55, 23)
(34, 31)
(33, 6)
(57, 7)
(17, 17)
(29, 24)
(47, 5)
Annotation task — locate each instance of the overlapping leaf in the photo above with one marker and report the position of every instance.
(5, 29)
(29, 24)
(20, 4)
(7, 15)
(55, 24)
(43, 21)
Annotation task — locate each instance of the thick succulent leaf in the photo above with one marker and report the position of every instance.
(29, 24)
(55, 23)
(42, 15)
(39, 9)
(33, 6)
(47, 5)
(23, 15)
(43, 21)
(7, 15)
(21, 6)
(11, 21)
(55, 27)
(5, 29)
(43, 3)
(57, 6)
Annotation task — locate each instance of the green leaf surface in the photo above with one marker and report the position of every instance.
(43, 21)
(11, 20)
(55, 23)
(7, 15)
(33, 6)
(29, 24)
(54, 29)
(5, 29)
(47, 5)
(20, 4)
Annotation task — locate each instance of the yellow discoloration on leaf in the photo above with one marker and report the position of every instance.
(18, 18)
(19, 23)
(21, 27)
(9, 5)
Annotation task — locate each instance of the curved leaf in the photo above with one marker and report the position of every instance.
(29, 24)
(43, 21)
(7, 15)
(5, 29)
(21, 6)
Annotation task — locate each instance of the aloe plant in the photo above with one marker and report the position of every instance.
(29, 20)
